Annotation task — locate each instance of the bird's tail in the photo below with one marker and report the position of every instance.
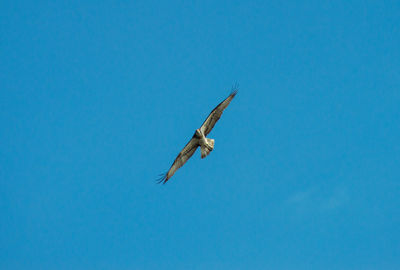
(206, 149)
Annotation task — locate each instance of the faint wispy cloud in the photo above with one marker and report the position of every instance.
(301, 196)
(338, 198)
(314, 199)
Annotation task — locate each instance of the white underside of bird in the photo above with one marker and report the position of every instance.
(206, 144)
(199, 139)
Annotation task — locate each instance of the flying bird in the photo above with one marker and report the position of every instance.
(199, 139)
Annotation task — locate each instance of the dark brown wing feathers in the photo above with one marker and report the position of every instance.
(215, 115)
(186, 153)
(192, 145)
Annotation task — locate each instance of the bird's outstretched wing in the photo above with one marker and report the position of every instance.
(214, 116)
(181, 159)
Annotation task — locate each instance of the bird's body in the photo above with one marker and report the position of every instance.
(206, 144)
(199, 139)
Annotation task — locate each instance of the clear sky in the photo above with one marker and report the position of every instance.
(97, 98)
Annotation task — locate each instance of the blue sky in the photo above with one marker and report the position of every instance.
(98, 98)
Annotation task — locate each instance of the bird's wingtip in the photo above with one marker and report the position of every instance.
(162, 179)
(234, 89)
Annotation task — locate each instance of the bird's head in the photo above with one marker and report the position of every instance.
(197, 133)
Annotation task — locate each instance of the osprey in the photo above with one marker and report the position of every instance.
(199, 139)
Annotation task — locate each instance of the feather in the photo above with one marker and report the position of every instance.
(215, 115)
(186, 153)
(199, 137)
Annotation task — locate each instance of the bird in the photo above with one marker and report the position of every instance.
(199, 139)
